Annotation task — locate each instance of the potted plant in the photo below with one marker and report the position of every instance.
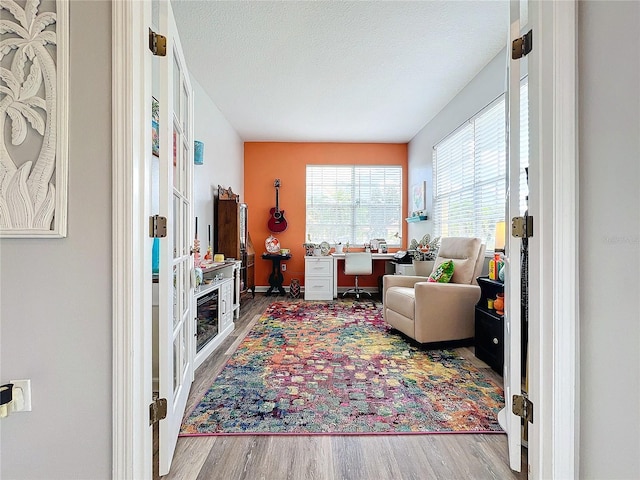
(424, 253)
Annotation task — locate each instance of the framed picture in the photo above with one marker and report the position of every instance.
(155, 133)
(418, 197)
(198, 152)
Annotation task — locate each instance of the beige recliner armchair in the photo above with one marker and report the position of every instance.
(436, 312)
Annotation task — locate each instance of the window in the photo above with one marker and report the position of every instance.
(469, 174)
(349, 203)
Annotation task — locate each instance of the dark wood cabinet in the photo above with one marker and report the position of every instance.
(233, 240)
(489, 326)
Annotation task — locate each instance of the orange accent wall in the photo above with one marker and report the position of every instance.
(264, 162)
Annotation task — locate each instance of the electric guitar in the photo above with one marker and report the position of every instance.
(277, 223)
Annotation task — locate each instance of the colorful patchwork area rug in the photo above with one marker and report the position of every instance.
(336, 368)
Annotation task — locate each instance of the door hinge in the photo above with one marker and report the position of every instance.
(522, 46)
(157, 410)
(157, 226)
(157, 44)
(523, 407)
(522, 227)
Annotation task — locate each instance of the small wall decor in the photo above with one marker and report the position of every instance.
(155, 127)
(34, 116)
(198, 152)
(418, 197)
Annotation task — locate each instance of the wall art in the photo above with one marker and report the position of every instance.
(34, 61)
(418, 197)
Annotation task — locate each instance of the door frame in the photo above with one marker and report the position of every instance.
(553, 262)
(131, 245)
(554, 342)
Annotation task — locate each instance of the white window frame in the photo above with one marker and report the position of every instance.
(326, 184)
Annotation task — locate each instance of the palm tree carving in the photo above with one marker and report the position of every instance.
(27, 100)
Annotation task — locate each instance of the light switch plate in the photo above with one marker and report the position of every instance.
(24, 404)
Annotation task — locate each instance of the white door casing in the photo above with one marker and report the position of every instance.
(131, 286)
(553, 261)
(176, 325)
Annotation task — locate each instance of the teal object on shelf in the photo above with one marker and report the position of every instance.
(198, 152)
(416, 218)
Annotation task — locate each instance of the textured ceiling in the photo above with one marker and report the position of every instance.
(333, 71)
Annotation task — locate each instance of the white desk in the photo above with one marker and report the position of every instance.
(340, 256)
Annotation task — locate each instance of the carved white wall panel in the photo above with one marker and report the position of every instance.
(33, 118)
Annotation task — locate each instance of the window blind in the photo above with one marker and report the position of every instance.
(352, 203)
(469, 174)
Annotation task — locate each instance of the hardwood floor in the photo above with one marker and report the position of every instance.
(324, 457)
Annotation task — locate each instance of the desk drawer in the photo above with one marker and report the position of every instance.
(318, 266)
(320, 288)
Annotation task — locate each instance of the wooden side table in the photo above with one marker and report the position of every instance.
(276, 278)
(489, 326)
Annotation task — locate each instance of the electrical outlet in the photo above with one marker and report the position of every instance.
(284, 267)
(21, 395)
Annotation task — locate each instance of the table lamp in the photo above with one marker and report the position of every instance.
(500, 238)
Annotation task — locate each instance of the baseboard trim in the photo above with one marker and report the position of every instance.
(263, 289)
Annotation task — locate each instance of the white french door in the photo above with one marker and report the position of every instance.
(512, 375)
(176, 326)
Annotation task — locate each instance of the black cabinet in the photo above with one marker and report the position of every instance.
(489, 326)
(232, 237)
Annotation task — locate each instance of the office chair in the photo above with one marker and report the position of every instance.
(357, 263)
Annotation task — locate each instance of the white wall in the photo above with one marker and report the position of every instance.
(223, 159)
(55, 308)
(477, 94)
(609, 131)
